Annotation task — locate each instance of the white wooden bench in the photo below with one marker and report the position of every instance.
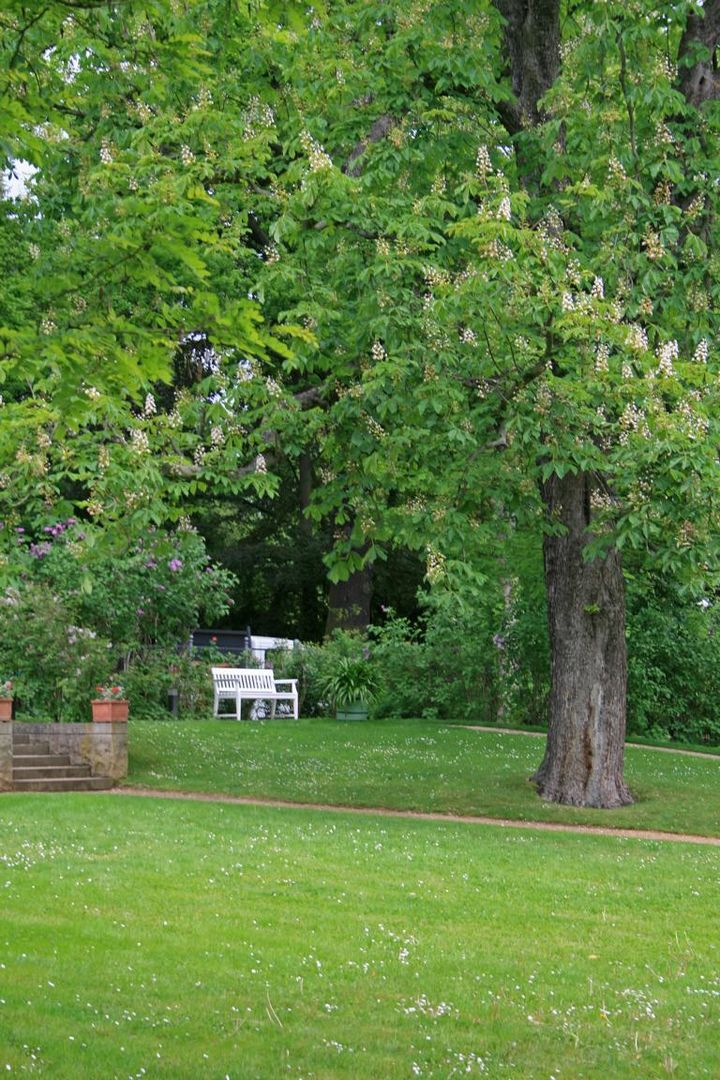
(251, 684)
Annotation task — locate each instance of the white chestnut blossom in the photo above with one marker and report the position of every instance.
(483, 164)
(701, 352)
(616, 169)
(637, 338)
(602, 355)
(376, 429)
(139, 441)
(434, 565)
(318, 159)
(666, 353)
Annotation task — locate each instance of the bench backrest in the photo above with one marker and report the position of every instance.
(243, 678)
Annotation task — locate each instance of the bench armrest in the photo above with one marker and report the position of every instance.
(281, 682)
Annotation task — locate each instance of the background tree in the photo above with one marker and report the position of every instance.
(122, 254)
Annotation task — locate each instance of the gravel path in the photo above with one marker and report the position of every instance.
(415, 815)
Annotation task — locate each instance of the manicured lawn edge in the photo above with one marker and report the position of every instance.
(413, 766)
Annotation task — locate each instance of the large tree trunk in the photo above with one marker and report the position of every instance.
(583, 763)
(349, 602)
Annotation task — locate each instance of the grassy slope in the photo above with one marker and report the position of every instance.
(182, 940)
(409, 765)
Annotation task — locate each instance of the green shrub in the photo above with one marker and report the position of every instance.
(80, 613)
(447, 669)
(673, 667)
(525, 657)
(399, 655)
(55, 663)
(154, 592)
(313, 665)
(152, 673)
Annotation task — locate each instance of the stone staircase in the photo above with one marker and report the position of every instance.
(36, 769)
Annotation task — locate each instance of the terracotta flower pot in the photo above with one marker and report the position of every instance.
(6, 708)
(104, 712)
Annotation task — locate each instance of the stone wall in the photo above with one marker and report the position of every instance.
(104, 747)
(6, 777)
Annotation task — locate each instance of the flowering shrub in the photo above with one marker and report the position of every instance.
(7, 689)
(82, 608)
(155, 592)
(57, 663)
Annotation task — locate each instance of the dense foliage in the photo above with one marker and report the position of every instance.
(362, 156)
(80, 613)
(491, 666)
(487, 262)
(120, 251)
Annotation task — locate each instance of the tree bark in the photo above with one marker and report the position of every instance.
(698, 74)
(349, 602)
(583, 763)
(532, 38)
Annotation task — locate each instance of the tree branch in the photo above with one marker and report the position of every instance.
(18, 44)
(307, 398)
(378, 131)
(624, 87)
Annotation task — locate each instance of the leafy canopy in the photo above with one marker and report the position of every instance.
(468, 307)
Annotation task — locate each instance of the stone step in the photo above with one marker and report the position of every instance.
(40, 760)
(49, 772)
(65, 783)
(25, 746)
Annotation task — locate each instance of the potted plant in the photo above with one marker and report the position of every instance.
(351, 687)
(7, 693)
(109, 705)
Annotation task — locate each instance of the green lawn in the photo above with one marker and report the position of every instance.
(162, 939)
(409, 765)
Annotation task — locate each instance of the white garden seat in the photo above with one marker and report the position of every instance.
(251, 684)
